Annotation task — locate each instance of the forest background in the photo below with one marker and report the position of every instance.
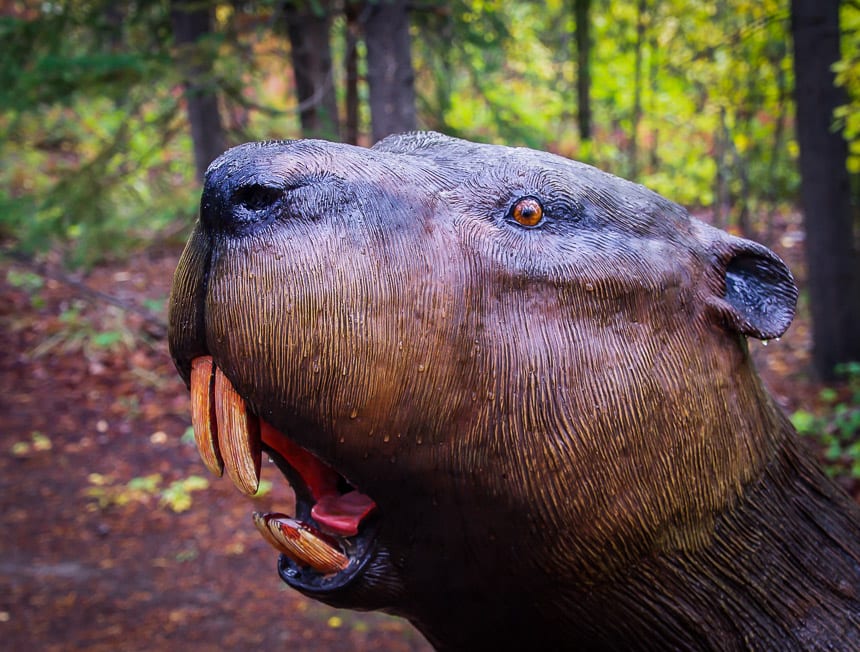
(102, 105)
(745, 111)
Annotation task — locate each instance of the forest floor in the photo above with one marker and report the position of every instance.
(110, 540)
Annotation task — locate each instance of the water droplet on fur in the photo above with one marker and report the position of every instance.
(386, 438)
(316, 368)
(353, 414)
(764, 342)
(400, 345)
(419, 440)
(421, 368)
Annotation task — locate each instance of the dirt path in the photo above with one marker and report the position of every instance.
(92, 555)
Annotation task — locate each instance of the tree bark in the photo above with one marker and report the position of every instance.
(353, 30)
(636, 117)
(389, 68)
(581, 10)
(192, 22)
(308, 31)
(831, 243)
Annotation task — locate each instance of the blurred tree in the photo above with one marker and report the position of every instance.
(390, 76)
(192, 33)
(831, 226)
(85, 117)
(352, 35)
(581, 10)
(848, 77)
(97, 149)
(308, 28)
(636, 115)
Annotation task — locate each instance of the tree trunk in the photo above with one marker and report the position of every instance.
(353, 29)
(636, 118)
(721, 177)
(308, 31)
(389, 68)
(653, 85)
(831, 249)
(581, 9)
(192, 21)
(776, 60)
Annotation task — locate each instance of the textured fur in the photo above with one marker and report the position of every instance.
(561, 425)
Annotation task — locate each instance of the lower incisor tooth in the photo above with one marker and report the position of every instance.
(300, 543)
(203, 417)
(238, 436)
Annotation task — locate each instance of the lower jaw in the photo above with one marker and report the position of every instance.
(314, 579)
(311, 582)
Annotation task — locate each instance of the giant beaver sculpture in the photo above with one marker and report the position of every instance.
(513, 396)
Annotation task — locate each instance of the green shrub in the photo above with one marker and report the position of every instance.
(837, 430)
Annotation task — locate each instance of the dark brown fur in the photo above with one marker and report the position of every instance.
(561, 426)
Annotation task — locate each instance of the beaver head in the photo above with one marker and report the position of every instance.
(497, 379)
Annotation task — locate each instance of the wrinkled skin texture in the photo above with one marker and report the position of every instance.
(560, 424)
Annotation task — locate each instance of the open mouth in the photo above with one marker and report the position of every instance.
(329, 539)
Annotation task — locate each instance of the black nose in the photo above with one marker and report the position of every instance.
(241, 191)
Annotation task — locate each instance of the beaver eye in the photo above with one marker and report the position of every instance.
(527, 211)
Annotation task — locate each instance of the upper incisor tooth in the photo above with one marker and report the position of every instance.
(238, 436)
(203, 413)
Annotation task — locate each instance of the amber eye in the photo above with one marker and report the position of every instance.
(527, 211)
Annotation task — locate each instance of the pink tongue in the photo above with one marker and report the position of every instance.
(342, 514)
(337, 514)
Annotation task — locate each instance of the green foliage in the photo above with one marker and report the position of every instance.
(38, 442)
(177, 495)
(80, 334)
(30, 282)
(838, 430)
(105, 493)
(714, 93)
(848, 77)
(89, 128)
(692, 99)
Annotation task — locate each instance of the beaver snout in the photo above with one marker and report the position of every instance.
(243, 190)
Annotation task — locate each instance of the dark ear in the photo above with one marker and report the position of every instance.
(758, 294)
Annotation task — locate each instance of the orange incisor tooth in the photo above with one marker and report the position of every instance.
(238, 436)
(300, 543)
(203, 413)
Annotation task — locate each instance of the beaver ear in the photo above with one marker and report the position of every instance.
(757, 295)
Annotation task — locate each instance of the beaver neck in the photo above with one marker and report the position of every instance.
(781, 571)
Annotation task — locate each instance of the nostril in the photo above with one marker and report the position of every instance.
(256, 197)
